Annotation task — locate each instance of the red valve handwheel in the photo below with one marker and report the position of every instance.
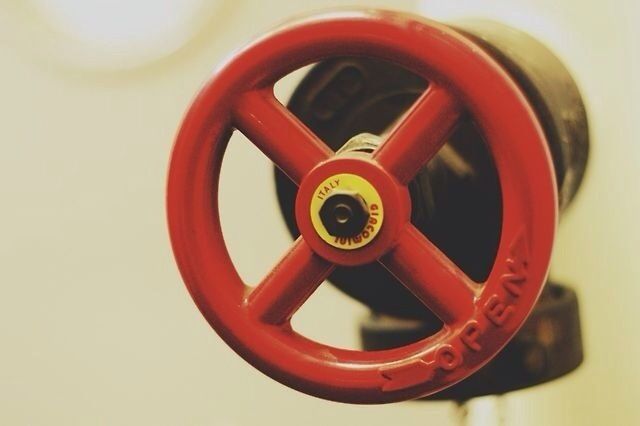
(479, 318)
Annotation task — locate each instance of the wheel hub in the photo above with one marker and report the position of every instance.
(346, 211)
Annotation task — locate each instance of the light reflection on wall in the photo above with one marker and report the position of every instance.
(115, 34)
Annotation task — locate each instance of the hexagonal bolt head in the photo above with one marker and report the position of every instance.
(344, 214)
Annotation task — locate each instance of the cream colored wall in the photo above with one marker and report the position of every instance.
(95, 325)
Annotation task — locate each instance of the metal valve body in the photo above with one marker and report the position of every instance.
(456, 198)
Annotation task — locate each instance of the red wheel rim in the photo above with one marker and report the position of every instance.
(479, 319)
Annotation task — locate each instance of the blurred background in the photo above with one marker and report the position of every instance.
(96, 326)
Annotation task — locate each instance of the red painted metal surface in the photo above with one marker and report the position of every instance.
(479, 318)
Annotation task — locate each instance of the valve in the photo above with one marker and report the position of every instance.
(356, 205)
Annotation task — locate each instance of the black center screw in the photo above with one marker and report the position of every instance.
(344, 214)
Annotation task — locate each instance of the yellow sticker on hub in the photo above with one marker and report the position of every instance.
(359, 187)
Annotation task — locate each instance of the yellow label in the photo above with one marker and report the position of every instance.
(348, 182)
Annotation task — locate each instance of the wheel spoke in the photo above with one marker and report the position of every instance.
(279, 134)
(431, 276)
(288, 285)
(418, 136)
